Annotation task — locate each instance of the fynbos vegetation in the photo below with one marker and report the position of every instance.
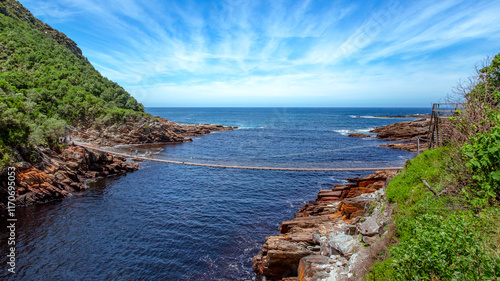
(455, 234)
(45, 84)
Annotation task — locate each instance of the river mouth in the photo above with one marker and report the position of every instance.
(175, 222)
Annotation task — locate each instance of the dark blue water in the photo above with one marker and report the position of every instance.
(170, 222)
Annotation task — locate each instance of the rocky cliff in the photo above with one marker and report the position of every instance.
(335, 237)
(55, 174)
(50, 174)
(145, 130)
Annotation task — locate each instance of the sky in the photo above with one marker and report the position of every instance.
(277, 53)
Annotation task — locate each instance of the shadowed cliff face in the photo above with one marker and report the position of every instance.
(17, 11)
(55, 175)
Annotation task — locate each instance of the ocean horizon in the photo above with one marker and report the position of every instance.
(175, 222)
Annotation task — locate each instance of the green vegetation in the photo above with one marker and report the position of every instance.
(440, 237)
(454, 235)
(46, 84)
(482, 157)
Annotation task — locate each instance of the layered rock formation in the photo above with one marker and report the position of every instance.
(405, 133)
(59, 174)
(144, 131)
(359, 135)
(331, 236)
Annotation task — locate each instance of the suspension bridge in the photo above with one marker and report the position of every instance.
(100, 149)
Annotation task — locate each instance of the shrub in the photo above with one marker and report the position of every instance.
(449, 248)
(482, 158)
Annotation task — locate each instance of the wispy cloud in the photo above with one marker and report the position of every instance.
(238, 52)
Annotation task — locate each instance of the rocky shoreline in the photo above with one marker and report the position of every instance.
(59, 174)
(146, 130)
(405, 133)
(51, 174)
(335, 237)
(340, 234)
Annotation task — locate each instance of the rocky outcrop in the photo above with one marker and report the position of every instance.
(358, 135)
(59, 174)
(404, 131)
(196, 130)
(329, 237)
(145, 130)
(407, 133)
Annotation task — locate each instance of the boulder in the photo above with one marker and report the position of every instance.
(342, 244)
(280, 258)
(358, 135)
(313, 268)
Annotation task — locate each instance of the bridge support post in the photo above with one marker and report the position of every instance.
(418, 145)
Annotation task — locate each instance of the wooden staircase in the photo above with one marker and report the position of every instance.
(441, 113)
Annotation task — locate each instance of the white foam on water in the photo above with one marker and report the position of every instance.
(343, 132)
(250, 127)
(347, 132)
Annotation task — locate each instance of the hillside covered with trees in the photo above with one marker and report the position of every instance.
(46, 84)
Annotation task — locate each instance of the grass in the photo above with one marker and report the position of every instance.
(439, 238)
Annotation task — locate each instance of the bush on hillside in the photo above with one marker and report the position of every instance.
(482, 156)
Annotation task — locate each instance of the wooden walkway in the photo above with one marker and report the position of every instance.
(97, 148)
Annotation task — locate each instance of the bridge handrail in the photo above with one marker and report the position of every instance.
(93, 147)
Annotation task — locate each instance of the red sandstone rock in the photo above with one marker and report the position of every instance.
(311, 267)
(351, 208)
(280, 258)
(60, 175)
(340, 187)
(377, 176)
(413, 147)
(145, 131)
(404, 131)
(281, 254)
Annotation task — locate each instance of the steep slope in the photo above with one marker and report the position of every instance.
(16, 11)
(50, 91)
(46, 83)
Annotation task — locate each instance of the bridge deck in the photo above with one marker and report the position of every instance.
(93, 147)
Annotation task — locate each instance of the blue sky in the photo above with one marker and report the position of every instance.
(280, 53)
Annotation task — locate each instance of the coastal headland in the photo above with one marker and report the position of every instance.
(50, 174)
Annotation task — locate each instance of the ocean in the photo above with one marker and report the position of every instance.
(175, 222)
